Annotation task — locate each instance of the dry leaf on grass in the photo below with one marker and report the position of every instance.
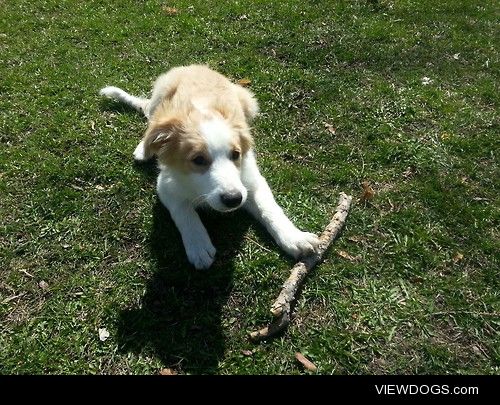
(244, 82)
(168, 371)
(368, 192)
(345, 255)
(355, 238)
(408, 172)
(308, 364)
(330, 128)
(103, 334)
(170, 10)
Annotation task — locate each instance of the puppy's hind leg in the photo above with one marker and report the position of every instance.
(115, 93)
(139, 103)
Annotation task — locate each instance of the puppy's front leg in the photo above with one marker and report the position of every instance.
(261, 204)
(199, 248)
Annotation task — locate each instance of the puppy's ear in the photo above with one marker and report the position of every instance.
(248, 103)
(160, 134)
(246, 140)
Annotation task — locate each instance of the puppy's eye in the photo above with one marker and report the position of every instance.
(235, 155)
(199, 161)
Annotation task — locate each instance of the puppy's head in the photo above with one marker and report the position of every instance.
(205, 151)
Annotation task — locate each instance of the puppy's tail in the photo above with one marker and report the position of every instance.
(115, 93)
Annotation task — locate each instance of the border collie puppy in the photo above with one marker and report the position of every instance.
(199, 131)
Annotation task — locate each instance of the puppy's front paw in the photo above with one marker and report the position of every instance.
(200, 253)
(299, 244)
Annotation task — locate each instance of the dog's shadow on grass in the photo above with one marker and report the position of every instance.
(179, 319)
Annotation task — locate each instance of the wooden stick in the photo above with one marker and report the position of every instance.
(281, 309)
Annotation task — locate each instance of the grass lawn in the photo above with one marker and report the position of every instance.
(408, 91)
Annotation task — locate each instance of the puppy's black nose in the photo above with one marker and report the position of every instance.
(231, 200)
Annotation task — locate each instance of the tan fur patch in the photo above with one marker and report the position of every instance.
(176, 144)
(180, 154)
